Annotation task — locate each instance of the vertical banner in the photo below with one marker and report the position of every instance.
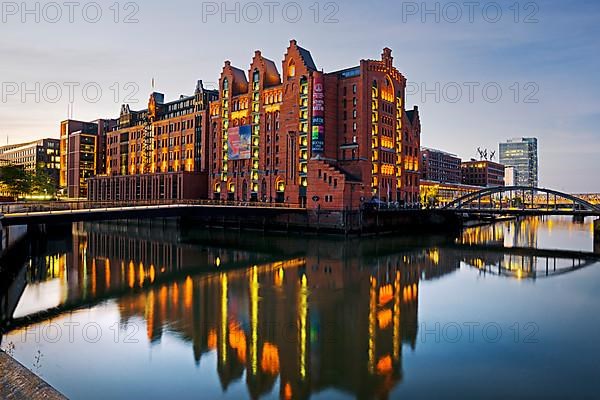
(318, 118)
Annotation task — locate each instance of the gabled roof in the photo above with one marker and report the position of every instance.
(239, 75)
(272, 77)
(307, 57)
(240, 81)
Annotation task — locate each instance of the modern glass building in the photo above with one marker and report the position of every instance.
(522, 155)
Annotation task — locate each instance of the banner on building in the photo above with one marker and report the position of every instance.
(318, 112)
(238, 142)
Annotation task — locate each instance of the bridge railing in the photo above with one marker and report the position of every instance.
(79, 205)
(525, 198)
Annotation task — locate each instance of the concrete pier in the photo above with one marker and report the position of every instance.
(17, 382)
(597, 236)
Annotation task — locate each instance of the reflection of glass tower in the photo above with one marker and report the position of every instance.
(522, 155)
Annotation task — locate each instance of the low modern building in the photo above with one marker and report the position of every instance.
(522, 154)
(440, 166)
(439, 194)
(82, 153)
(41, 154)
(510, 176)
(482, 173)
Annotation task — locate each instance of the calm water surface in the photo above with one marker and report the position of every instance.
(160, 310)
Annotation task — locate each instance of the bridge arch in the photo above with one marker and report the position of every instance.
(466, 201)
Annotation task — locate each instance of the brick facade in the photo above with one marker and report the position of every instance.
(299, 136)
(165, 141)
(368, 135)
(157, 186)
(278, 111)
(482, 173)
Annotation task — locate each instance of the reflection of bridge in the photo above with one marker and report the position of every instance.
(151, 261)
(523, 200)
(235, 313)
(525, 263)
(225, 292)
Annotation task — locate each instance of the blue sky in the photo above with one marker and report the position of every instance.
(550, 51)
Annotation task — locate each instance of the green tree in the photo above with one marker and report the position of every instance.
(15, 179)
(42, 183)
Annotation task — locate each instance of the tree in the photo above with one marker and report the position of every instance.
(430, 196)
(16, 180)
(42, 183)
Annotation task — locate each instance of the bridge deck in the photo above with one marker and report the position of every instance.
(70, 212)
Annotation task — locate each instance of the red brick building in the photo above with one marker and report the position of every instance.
(259, 146)
(292, 135)
(328, 140)
(159, 152)
(439, 166)
(482, 173)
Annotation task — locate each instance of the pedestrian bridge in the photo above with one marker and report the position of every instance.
(73, 211)
(523, 200)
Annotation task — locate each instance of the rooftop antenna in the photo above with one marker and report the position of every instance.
(70, 110)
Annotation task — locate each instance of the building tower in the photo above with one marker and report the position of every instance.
(522, 154)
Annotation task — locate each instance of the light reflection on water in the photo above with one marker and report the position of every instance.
(169, 311)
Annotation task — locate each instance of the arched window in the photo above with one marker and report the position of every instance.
(281, 186)
(291, 69)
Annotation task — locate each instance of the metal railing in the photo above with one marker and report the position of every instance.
(81, 205)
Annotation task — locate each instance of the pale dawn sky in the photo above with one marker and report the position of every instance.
(480, 72)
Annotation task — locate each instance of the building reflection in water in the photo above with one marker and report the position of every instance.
(332, 314)
(300, 314)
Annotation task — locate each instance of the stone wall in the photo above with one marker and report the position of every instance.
(17, 382)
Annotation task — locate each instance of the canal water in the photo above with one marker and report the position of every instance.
(164, 309)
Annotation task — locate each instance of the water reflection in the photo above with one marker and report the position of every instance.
(328, 313)
(522, 248)
(294, 315)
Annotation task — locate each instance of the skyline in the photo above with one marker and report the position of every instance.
(431, 55)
